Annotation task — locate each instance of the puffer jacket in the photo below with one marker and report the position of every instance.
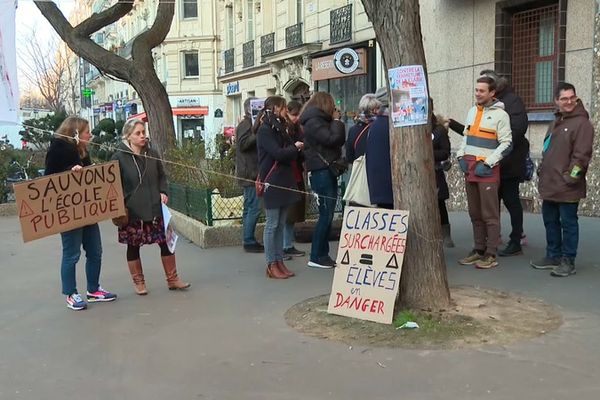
(322, 136)
(276, 146)
(513, 164)
(566, 155)
(246, 154)
(487, 134)
(143, 180)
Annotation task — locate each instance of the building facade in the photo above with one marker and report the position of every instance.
(187, 63)
(294, 47)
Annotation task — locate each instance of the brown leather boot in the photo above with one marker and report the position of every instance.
(137, 274)
(274, 272)
(284, 269)
(170, 268)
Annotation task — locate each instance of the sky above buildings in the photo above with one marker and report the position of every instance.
(28, 17)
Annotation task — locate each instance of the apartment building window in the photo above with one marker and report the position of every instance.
(190, 9)
(530, 49)
(249, 19)
(230, 25)
(190, 64)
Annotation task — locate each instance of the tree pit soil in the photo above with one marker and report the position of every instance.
(476, 318)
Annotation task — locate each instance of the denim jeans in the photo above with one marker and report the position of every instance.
(72, 241)
(288, 236)
(562, 229)
(250, 214)
(273, 234)
(324, 184)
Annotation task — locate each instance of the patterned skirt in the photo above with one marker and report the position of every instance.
(139, 233)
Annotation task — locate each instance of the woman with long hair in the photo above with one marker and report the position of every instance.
(68, 152)
(276, 152)
(145, 190)
(297, 211)
(324, 136)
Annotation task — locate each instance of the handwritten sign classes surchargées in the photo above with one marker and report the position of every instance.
(370, 255)
(68, 200)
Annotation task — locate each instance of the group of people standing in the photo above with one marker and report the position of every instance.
(273, 153)
(287, 138)
(494, 158)
(145, 189)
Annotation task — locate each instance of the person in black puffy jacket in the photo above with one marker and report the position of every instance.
(324, 137)
(276, 153)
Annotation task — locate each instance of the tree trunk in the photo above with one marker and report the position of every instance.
(424, 283)
(139, 71)
(158, 110)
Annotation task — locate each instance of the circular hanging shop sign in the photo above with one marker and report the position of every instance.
(346, 61)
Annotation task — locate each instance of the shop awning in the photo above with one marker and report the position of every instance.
(177, 111)
(190, 111)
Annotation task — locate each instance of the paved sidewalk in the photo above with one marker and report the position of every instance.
(226, 338)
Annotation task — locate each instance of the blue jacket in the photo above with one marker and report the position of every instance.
(379, 165)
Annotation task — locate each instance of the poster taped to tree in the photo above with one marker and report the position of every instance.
(369, 263)
(68, 200)
(410, 101)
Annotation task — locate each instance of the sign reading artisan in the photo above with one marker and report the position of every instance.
(370, 255)
(68, 200)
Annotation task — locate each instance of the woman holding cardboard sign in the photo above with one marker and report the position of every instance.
(68, 152)
(145, 190)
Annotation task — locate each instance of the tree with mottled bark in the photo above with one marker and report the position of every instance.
(424, 283)
(139, 71)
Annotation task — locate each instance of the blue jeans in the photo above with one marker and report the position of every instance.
(89, 237)
(562, 229)
(324, 184)
(273, 234)
(250, 214)
(288, 236)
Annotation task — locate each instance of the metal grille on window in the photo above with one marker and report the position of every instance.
(340, 28)
(535, 56)
(229, 56)
(248, 54)
(267, 44)
(293, 36)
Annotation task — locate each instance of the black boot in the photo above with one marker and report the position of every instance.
(512, 249)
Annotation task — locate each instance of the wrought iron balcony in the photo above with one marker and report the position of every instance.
(340, 25)
(267, 44)
(229, 56)
(293, 35)
(248, 54)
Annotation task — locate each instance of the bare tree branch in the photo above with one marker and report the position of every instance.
(83, 45)
(105, 18)
(156, 34)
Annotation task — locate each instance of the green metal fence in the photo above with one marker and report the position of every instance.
(208, 206)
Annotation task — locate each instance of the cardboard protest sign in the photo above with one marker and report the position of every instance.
(68, 200)
(369, 263)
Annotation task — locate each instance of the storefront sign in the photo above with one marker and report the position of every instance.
(189, 101)
(233, 88)
(369, 263)
(345, 62)
(68, 200)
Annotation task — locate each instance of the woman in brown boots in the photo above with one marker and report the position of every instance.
(276, 152)
(145, 189)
